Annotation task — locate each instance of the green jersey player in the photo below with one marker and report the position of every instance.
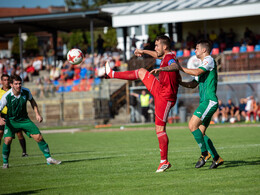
(17, 119)
(207, 79)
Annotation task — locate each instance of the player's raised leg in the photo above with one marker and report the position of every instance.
(125, 75)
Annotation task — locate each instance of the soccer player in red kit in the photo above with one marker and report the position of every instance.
(163, 90)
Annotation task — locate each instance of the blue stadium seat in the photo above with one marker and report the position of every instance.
(257, 48)
(61, 89)
(158, 62)
(83, 73)
(192, 53)
(55, 83)
(97, 81)
(68, 88)
(243, 49)
(179, 53)
(76, 82)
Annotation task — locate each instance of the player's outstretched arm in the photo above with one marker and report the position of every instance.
(140, 52)
(193, 72)
(190, 84)
(36, 110)
(171, 68)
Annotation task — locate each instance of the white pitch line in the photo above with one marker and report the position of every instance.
(60, 131)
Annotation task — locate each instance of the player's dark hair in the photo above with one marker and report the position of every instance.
(5, 75)
(15, 77)
(207, 44)
(164, 40)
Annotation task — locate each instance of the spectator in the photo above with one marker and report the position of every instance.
(50, 55)
(134, 40)
(60, 51)
(258, 110)
(40, 88)
(230, 109)
(200, 35)
(69, 73)
(145, 100)
(37, 65)
(54, 73)
(247, 33)
(222, 40)
(251, 109)
(241, 109)
(100, 43)
(190, 40)
(213, 36)
(48, 87)
(230, 38)
(221, 111)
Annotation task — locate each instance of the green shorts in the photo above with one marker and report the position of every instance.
(205, 111)
(12, 126)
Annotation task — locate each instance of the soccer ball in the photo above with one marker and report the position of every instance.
(232, 120)
(75, 56)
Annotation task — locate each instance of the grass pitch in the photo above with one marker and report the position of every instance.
(124, 162)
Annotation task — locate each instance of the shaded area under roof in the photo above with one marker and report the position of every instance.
(55, 22)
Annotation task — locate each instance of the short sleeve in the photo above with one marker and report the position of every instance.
(207, 64)
(3, 102)
(29, 94)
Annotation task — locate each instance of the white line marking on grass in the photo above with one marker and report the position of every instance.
(60, 131)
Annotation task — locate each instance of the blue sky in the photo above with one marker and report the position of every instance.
(31, 3)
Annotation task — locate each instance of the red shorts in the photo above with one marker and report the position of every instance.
(162, 106)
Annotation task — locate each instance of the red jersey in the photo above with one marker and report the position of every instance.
(169, 81)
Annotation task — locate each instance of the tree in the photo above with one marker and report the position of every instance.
(31, 45)
(16, 47)
(110, 38)
(155, 30)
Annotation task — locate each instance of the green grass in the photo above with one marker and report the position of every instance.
(124, 162)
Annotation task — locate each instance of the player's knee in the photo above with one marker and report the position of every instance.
(37, 137)
(8, 140)
(159, 128)
(192, 127)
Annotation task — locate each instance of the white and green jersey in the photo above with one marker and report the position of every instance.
(209, 80)
(16, 105)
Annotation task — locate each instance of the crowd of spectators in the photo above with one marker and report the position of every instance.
(247, 110)
(223, 40)
(93, 66)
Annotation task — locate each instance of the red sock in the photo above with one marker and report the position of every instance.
(163, 144)
(126, 75)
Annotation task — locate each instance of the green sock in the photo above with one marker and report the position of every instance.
(6, 152)
(44, 148)
(199, 139)
(210, 147)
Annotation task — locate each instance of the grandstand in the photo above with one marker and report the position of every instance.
(93, 100)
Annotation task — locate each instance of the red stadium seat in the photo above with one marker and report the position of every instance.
(250, 48)
(186, 53)
(215, 51)
(235, 49)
